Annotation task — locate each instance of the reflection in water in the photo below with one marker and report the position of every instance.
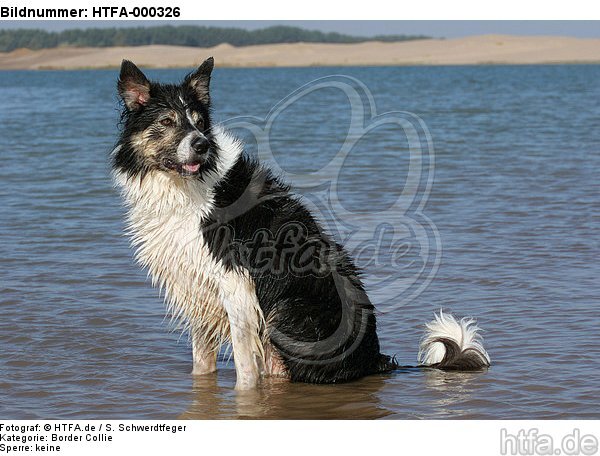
(278, 399)
(448, 391)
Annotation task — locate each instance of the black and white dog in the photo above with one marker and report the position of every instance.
(200, 213)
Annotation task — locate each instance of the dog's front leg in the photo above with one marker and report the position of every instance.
(245, 324)
(204, 357)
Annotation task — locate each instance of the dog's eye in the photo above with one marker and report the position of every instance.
(200, 123)
(167, 122)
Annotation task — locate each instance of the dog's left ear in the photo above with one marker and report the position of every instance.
(199, 80)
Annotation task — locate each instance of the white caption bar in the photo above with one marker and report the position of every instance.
(300, 437)
(347, 10)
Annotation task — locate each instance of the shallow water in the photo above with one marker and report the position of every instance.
(515, 201)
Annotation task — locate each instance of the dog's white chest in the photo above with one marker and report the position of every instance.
(164, 220)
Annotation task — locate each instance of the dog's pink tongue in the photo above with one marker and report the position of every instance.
(192, 168)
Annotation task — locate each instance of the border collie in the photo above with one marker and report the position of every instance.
(200, 213)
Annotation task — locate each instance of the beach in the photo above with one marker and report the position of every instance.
(474, 50)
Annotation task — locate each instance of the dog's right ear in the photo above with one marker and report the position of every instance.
(199, 80)
(134, 87)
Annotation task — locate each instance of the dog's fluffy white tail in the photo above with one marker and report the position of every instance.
(453, 345)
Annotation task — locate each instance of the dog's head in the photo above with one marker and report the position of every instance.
(166, 126)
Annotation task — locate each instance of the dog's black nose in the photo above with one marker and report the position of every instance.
(200, 145)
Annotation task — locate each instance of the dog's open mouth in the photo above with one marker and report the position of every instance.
(191, 168)
(185, 169)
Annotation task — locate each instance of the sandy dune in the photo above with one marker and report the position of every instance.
(486, 49)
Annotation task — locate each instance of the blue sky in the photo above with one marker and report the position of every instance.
(447, 29)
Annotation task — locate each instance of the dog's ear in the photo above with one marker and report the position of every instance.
(134, 87)
(199, 80)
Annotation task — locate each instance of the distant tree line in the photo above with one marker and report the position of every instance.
(184, 35)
